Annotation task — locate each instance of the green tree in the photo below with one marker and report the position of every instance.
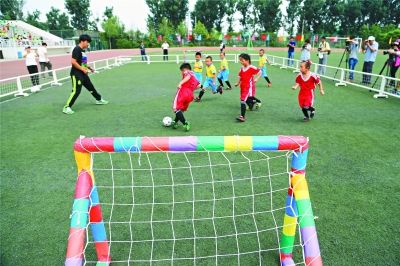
(182, 29)
(80, 13)
(58, 23)
(293, 11)
(352, 18)
(165, 28)
(200, 29)
(220, 7)
(311, 16)
(205, 11)
(332, 19)
(175, 11)
(243, 6)
(155, 16)
(269, 14)
(113, 28)
(34, 20)
(11, 9)
(230, 10)
(108, 13)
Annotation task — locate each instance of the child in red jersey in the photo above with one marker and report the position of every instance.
(247, 85)
(307, 81)
(184, 95)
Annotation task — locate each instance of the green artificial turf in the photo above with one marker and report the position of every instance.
(353, 164)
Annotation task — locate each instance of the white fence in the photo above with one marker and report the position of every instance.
(383, 86)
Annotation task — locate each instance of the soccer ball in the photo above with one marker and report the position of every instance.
(167, 121)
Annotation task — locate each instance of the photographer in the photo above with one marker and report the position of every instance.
(305, 51)
(324, 50)
(291, 45)
(352, 49)
(394, 60)
(370, 49)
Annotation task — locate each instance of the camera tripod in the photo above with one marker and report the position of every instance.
(345, 54)
(387, 66)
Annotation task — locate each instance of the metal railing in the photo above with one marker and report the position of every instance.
(383, 86)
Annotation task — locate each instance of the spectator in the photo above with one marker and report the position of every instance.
(30, 62)
(291, 45)
(222, 47)
(305, 51)
(352, 49)
(165, 47)
(143, 52)
(44, 61)
(324, 50)
(394, 54)
(371, 50)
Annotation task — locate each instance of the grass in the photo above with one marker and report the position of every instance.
(352, 171)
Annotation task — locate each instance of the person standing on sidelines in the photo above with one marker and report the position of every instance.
(353, 59)
(31, 64)
(44, 60)
(165, 47)
(143, 52)
(291, 45)
(305, 51)
(370, 49)
(79, 75)
(324, 50)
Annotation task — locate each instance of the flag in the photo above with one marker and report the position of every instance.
(390, 40)
(264, 37)
(316, 38)
(239, 37)
(268, 38)
(253, 37)
(220, 37)
(298, 37)
(302, 38)
(199, 37)
(178, 38)
(159, 38)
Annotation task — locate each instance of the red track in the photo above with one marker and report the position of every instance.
(15, 68)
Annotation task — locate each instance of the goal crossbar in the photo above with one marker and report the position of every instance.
(86, 210)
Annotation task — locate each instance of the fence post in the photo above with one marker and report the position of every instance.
(55, 80)
(283, 66)
(148, 59)
(342, 81)
(107, 64)
(177, 59)
(19, 87)
(381, 93)
(296, 70)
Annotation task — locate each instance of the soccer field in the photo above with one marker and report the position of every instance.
(352, 168)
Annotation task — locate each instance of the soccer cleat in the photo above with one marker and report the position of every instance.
(220, 89)
(306, 119)
(68, 110)
(174, 125)
(197, 100)
(312, 114)
(269, 84)
(102, 102)
(186, 126)
(240, 118)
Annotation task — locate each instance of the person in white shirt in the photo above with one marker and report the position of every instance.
(31, 64)
(44, 60)
(305, 51)
(165, 47)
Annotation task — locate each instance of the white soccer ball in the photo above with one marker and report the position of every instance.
(167, 121)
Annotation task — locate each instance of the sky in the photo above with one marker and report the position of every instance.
(132, 13)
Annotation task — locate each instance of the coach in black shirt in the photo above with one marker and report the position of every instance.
(79, 75)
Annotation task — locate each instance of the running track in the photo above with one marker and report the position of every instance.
(13, 68)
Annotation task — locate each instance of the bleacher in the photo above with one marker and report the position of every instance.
(15, 35)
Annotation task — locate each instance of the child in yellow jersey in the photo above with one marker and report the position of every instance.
(198, 68)
(262, 66)
(211, 75)
(223, 74)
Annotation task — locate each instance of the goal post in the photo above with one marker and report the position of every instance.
(87, 213)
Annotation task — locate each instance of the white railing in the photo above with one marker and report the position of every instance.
(21, 85)
(7, 43)
(384, 86)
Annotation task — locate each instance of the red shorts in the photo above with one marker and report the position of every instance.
(306, 100)
(182, 100)
(246, 93)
